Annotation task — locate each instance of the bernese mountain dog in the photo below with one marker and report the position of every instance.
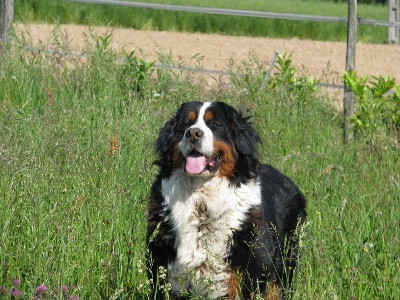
(221, 225)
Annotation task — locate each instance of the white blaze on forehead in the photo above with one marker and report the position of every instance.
(206, 144)
(202, 112)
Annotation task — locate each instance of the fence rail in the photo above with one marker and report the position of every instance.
(176, 67)
(241, 13)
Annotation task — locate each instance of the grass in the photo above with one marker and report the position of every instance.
(76, 167)
(67, 12)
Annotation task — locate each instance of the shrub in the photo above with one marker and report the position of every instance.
(378, 109)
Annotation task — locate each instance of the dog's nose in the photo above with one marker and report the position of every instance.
(193, 135)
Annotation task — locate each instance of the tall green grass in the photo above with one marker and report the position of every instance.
(76, 166)
(67, 12)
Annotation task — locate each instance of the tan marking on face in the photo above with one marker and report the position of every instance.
(192, 116)
(228, 158)
(208, 115)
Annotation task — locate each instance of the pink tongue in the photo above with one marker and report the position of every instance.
(195, 164)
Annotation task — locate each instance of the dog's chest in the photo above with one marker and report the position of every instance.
(204, 215)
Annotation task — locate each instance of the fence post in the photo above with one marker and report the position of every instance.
(6, 19)
(348, 104)
(270, 67)
(393, 32)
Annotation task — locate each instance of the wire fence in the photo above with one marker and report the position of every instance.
(268, 72)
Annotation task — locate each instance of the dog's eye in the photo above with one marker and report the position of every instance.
(184, 126)
(215, 124)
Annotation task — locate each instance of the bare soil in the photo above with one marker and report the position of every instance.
(324, 60)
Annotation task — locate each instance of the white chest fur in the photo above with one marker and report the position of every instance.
(205, 213)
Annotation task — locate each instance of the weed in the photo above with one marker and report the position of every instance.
(285, 78)
(377, 109)
(135, 72)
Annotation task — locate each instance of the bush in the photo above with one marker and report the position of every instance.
(377, 107)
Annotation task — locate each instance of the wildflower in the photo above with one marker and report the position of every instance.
(367, 247)
(64, 289)
(162, 273)
(17, 282)
(15, 292)
(41, 289)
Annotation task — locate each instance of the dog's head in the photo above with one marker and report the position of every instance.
(208, 139)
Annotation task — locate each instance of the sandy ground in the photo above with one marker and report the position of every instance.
(319, 58)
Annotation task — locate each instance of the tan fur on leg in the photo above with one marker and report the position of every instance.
(274, 292)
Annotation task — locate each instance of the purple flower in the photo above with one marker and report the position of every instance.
(15, 292)
(17, 282)
(41, 289)
(64, 289)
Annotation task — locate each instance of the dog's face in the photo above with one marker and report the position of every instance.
(207, 143)
(206, 139)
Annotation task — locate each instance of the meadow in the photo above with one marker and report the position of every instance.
(76, 140)
(28, 11)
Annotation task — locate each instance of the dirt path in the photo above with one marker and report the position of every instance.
(316, 56)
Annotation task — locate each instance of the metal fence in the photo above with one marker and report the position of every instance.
(241, 13)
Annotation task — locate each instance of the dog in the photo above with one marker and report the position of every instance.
(220, 224)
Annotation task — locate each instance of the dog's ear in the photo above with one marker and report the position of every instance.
(164, 140)
(245, 136)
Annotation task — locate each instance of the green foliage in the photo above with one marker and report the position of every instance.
(103, 43)
(76, 168)
(285, 78)
(73, 179)
(136, 71)
(148, 19)
(377, 108)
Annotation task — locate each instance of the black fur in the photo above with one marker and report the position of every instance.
(265, 248)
